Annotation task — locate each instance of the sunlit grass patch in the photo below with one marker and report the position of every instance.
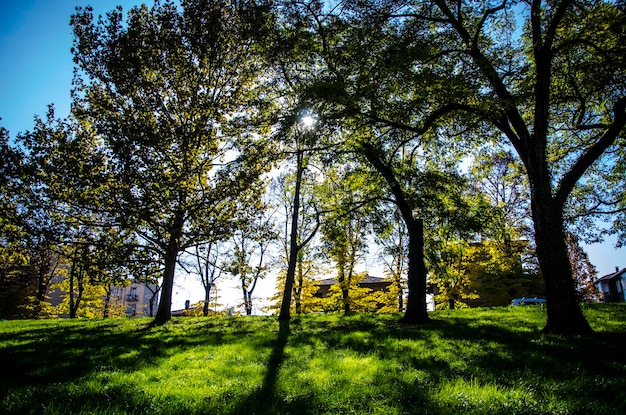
(465, 361)
(472, 397)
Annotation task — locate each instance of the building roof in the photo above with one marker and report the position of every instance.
(367, 280)
(615, 274)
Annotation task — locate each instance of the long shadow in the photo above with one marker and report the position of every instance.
(266, 400)
(486, 354)
(479, 352)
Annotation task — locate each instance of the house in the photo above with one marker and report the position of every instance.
(135, 298)
(373, 283)
(612, 286)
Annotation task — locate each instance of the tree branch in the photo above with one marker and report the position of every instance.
(568, 181)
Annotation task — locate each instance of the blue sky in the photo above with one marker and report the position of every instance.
(35, 60)
(36, 70)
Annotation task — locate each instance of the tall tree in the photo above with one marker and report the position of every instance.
(172, 92)
(298, 234)
(66, 235)
(551, 108)
(552, 87)
(387, 105)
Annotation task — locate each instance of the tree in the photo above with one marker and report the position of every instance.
(207, 265)
(551, 109)
(65, 179)
(552, 89)
(250, 253)
(296, 229)
(385, 107)
(27, 234)
(172, 92)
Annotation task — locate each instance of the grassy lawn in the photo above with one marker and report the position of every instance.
(480, 361)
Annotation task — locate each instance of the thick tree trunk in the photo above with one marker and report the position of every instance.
(564, 313)
(416, 310)
(164, 312)
(247, 301)
(345, 298)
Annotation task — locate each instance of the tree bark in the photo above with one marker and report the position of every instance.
(564, 313)
(416, 310)
(247, 301)
(207, 301)
(107, 303)
(285, 314)
(164, 312)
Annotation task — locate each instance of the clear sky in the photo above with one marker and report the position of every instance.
(36, 70)
(35, 60)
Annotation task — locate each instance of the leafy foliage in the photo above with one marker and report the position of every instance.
(172, 93)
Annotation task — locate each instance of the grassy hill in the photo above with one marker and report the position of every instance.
(479, 361)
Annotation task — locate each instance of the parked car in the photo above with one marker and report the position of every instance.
(528, 301)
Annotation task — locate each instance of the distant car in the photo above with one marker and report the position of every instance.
(528, 301)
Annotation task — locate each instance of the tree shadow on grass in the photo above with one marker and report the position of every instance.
(581, 374)
(266, 399)
(584, 375)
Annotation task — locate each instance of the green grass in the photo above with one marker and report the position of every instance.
(480, 361)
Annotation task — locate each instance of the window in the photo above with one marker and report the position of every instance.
(132, 294)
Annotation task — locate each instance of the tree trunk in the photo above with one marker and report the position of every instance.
(416, 308)
(152, 300)
(345, 298)
(343, 285)
(297, 291)
(247, 301)
(107, 303)
(71, 300)
(564, 313)
(207, 300)
(75, 299)
(285, 314)
(164, 312)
